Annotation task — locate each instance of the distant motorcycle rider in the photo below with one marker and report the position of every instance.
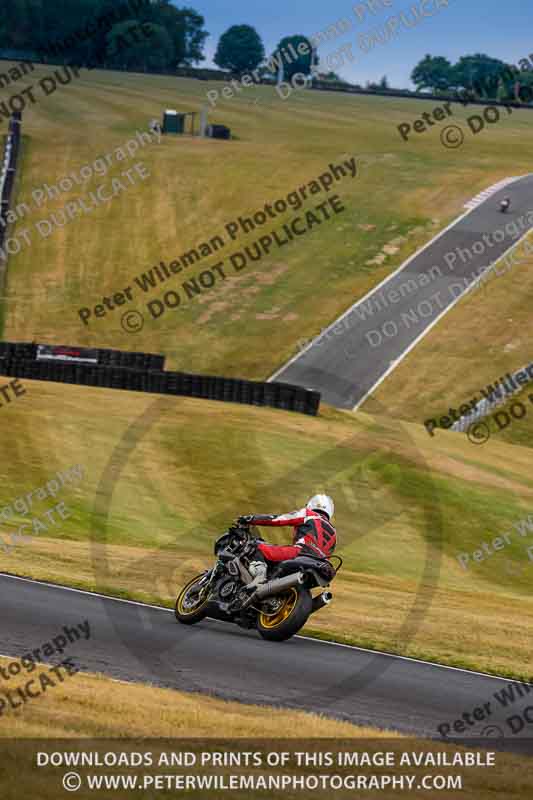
(314, 535)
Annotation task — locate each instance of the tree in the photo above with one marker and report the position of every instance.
(77, 32)
(185, 27)
(330, 76)
(130, 46)
(383, 84)
(433, 72)
(483, 75)
(296, 54)
(240, 49)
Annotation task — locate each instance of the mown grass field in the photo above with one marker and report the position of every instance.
(164, 476)
(407, 503)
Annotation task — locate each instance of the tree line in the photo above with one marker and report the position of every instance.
(102, 33)
(99, 32)
(105, 33)
(478, 75)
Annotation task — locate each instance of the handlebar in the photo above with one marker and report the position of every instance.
(239, 529)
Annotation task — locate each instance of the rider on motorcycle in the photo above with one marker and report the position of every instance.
(505, 203)
(313, 535)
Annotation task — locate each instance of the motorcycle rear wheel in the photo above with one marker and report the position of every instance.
(289, 618)
(187, 611)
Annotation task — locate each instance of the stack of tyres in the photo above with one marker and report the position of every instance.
(201, 386)
(131, 360)
(119, 370)
(115, 378)
(300, 400)
(24, 350)
(68, 372)
(155, 382)
(162, 381)
(245, 392)
(258, 394)
(227, 389)
(196, 385)
(236, 390)
(7, 365)
(213, 387)
(313, 403)
(135, 380)
(270, 394)
(102, 378)
(186, 385)
(285, 396)
(79, 375)
(173, 383)
(144, 381)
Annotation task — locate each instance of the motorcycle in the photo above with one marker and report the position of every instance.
(277, 609)
(504, 205)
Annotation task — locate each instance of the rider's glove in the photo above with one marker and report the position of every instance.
(246, 520)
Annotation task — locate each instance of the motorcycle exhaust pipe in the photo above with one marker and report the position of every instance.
(321, 600)
(279, 585)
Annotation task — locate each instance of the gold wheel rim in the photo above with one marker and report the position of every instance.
(274, 620)
(188, 611)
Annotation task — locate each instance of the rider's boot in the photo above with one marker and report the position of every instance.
(258, 571)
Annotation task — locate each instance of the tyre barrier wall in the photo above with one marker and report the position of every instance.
(19, 361)
(31, 351)
(8, 168)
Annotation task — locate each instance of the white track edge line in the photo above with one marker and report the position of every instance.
(83, 591)
(418, 661)
(306, 638)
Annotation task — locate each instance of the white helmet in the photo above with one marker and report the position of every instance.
(321, 502)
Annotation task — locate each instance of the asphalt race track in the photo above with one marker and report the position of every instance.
(133, 642)
(348, 360)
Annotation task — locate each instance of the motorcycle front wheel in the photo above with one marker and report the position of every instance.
(192, 603)
(292, 615)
